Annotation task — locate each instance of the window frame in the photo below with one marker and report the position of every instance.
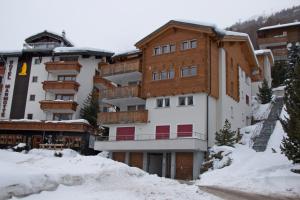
(34, 79)
(158, 105)
(32, 97)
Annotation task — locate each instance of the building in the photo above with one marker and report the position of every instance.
(44, 87)
(278, 37)
(266, 61)
(171, 97)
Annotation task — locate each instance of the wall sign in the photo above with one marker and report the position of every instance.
(9, 69)
(5, 100)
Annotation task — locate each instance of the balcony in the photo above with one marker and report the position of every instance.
(149, 143)
(102, 83)
(119, 96)
(121, 72)
(63, 67)
(2, 70)
(126, 117)
(65, 87)
(58, 106)
(272, 40)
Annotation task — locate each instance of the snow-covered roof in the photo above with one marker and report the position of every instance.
(280, 26)
(130, 52)
(11, 53)
(80, 50)
(265, 52)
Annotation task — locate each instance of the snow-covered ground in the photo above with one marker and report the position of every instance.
(260, 111)
(40, 175)
(261, 172)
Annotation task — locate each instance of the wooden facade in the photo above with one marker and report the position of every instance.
(63, 66)
(125, 117)
(71, 86)
(121, 92)
(120, 67)
(58, 105)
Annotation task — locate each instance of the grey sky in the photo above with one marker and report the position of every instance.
(117, 25)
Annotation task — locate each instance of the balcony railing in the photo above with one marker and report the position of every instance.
(61, 85)
(58, 105)
(57, 66)
(102, 83)
(140, 116)
(119, 68)
(269, 40)
(121, 92)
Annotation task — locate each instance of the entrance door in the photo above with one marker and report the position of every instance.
(184, 166)
(155, 161)
(36, 141)
(119, 156)
(136, 160)
(168, 165)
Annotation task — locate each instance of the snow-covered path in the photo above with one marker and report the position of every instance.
(84, 177)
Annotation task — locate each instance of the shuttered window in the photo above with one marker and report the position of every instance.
(125, 133)
(162, 132)
(185, 130)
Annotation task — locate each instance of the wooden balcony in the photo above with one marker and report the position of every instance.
(270, 40)
(121, 92)
(55, 105)
(71, 67)
(102, 83)
(61, 86)
(2, 70)
(140, 116)
(120, 67)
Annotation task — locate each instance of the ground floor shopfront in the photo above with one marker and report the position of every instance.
(181, 165)
(33, 134)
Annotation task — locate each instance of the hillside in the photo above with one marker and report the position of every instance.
(281, 17)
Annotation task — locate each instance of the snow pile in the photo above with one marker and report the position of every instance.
(261, 172)
(249, 133)
(260, 111)
(90, 177)
(222, 156)
(20, 145)
(50, 153)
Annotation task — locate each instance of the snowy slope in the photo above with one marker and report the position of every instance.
(261, 172)
(83, 177)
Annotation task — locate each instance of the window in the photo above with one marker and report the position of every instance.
(66, 78)
(189, 71)
(185, 130)
(194, 44)
(190, 100)
(163, 75)
(155, 76)
(37, 61)
(68, 58)
(131, 108)
(159, 103)
(125, 133)
(156, 51)
(181, 101)
(32, 97)
(185, 45)
(162, 132)
(141, 107)
(62, 116)
(171, 74)
(167, 102)
(29, 116)
(34, 79)
(172, 47)
(64, 97)
(247, 99)
(166, 49)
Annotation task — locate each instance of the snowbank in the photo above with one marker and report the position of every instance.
(91, 177)
(261, 172)
(260, 111)
(50, 153)
(249, 133)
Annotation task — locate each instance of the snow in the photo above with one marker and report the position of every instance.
(260, 172)
(52, 121)
(249, 133)
(77, 49)
(279, 26)
(40, 175)
(260, 111)
(265, 51)
(20, 145)
(279, 88)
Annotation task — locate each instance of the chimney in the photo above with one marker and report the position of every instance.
(63, 33)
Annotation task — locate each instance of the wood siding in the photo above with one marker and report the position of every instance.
(176, 60)
(63, 65)
(61, 85)
(58, 105)
(140, 116)
(119, 156)
(120, 67)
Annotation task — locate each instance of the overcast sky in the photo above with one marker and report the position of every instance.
(117, 25)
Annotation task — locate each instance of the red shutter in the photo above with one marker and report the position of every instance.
(162, 132)
(185, 130)
(125, 133)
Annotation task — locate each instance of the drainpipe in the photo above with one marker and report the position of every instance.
(207, 97)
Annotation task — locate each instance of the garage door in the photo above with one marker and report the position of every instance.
(136, 160)
(184, 166)
(119, 156)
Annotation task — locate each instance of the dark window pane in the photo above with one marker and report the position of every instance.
(167, 102)
(159, 103)
(190, 100)
(181, 101)
(193, 44)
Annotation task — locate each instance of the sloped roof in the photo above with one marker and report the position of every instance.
(280, 26)
(267, 52)
(49, 34)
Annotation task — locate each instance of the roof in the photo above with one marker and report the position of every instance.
(81, 51)
(209, 28)
(128, 53)
(10, 53)
(267, 52)
(280, 26)
(49, 34)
